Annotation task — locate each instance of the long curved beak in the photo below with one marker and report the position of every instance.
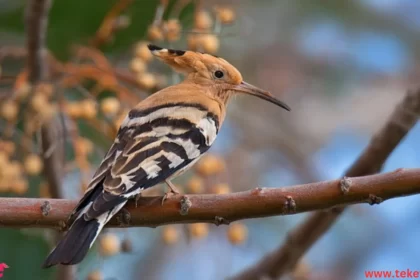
(253, 90)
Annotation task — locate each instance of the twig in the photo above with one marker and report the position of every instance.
(107, 27)
(160, 10)
(284, 258)
(226, 208)
(36, 30)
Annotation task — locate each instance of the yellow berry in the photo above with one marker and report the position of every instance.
(226, 15)
(221, 188)
(110, 105)
(19, 186)
(74, 110)
(195, 185)
(33, 164)
(89, 109)
(8, 147)
(193, 42)
(95, 275)
(109, 245)
(147, 80)
(170, 234)
(172, 29)
(13, 170)
(203, 20)
(4, 159)
(23, 91)
(154, 33)
(142, 51)
(237, 233)
(209, 43)
(9, 110)
(44, 89)
(137, 65)
(210, 165)
(199, 230)
(39, 102)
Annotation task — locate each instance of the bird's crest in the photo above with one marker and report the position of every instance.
(195, 62)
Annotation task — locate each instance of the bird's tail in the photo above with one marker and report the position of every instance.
(76, 242)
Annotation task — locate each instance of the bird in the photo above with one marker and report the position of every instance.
(160, 138)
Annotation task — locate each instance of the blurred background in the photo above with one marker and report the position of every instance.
(342, 66)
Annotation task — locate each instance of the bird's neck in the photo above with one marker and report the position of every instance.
(212, 92)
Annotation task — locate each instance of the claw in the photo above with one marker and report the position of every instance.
(172, 187)
(137, 198)
(168, 194)
(173, 191)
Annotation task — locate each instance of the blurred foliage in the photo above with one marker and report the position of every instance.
(75, 22)
(24, 254)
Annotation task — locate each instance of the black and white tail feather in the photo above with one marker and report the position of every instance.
(152, 145)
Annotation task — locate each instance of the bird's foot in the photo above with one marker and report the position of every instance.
(168, 194)
(137, 198)
(172, 187)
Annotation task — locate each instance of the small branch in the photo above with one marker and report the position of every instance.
(284, 258)
(160, 10)
(211, 208)
(107, 29)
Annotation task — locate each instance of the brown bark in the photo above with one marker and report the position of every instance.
(223, 209)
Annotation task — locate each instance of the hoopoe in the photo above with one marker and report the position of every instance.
(161, 137)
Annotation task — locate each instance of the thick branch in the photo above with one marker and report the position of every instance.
(223, 209)
(284, 258)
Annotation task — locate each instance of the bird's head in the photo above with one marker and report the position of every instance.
(213, 72)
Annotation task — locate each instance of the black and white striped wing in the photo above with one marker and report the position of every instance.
(150, 147)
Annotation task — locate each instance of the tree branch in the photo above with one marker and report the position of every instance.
(223, 209)
(36, 32)
(284, 258)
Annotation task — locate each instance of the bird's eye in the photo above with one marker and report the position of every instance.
(218, 74)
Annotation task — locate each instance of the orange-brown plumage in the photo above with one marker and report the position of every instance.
(187, 92)
(159, 139)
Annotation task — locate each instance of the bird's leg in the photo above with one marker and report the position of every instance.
(173, 190)
(137, 198)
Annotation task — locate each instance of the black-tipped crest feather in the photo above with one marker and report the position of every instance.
(154, 47)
